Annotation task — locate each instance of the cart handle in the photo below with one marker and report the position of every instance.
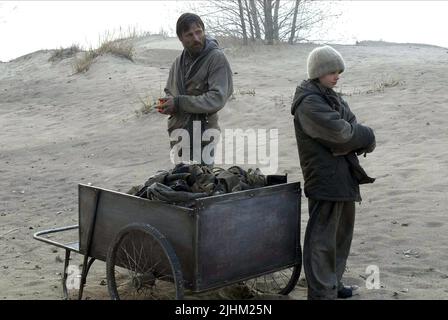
(39, 236)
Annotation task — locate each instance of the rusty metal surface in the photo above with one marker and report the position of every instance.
(248, 233)
(227, 238)
(117, 210)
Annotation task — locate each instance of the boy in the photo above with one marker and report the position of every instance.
(329, 140)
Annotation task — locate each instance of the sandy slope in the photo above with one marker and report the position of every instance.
(60, 129)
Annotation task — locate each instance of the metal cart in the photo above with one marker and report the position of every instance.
(155, 250)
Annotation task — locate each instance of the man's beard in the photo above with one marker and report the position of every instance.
(197, 48)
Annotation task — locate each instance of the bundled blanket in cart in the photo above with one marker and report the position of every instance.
(185, 183)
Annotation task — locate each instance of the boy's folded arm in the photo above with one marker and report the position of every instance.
(325, 124)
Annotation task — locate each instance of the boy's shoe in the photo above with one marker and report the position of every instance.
(346, 292)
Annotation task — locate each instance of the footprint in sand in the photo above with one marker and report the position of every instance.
(433, 224)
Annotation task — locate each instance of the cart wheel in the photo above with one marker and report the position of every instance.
(280, 282)
(141, 264)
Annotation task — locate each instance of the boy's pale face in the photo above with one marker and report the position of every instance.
(329, 80)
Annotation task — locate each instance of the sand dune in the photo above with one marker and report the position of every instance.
(60, 129)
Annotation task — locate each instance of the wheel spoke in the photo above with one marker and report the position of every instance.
(140, 266)
(153, 268)
(165, 276)
(135, 256)
(273, 278)
(145, 258)
(128, 258)
(285, 277)
(134, 250)
(131, 272)
(136, 269)
(140, 256)
(279, 282)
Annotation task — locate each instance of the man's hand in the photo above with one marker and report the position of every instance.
(168, 107)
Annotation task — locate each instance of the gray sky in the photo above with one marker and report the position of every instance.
(27, 26)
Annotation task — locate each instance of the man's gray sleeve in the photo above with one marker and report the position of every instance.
(220, 88)
(170, 83)
(324, 124)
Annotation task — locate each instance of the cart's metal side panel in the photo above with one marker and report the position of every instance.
(247, 234)
(86, 204)
(197, 278)
(116, 210)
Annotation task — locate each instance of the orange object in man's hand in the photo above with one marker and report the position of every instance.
(162, 100)
(168, 107)
(160, 103)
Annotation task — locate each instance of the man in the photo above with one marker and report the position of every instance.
(198, 86)
(329, 140)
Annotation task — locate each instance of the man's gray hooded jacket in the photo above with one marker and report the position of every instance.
(201, 88)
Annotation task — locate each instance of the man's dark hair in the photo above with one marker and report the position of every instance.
(185, 22)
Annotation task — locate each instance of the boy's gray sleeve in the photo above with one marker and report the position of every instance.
(351, 117)
(324, 124)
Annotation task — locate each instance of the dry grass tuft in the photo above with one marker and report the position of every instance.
(83, 64)
(121, 46)
(378, 86)
(385, 82)
(148, 104)
(64, 53)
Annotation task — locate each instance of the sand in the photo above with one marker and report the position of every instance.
(59, 129)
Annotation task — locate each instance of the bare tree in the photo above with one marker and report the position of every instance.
(254, 14)
(274, 20)
(268, 22)
(294, 23)
(249, 16)
(222, 18)
(243, 23)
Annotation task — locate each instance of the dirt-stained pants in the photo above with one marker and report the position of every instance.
(327, 244)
